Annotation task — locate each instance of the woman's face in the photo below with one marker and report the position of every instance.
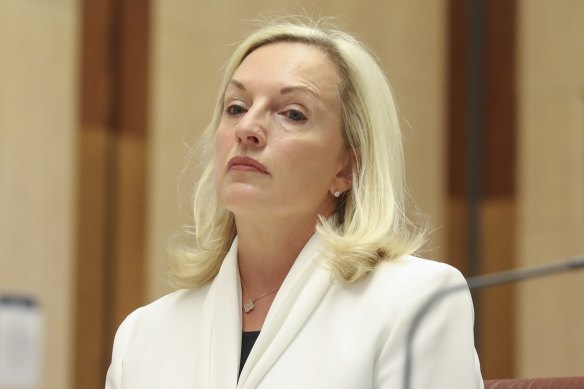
(279, 149)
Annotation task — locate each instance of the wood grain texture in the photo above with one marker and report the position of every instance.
(112, 172)
(495, 309)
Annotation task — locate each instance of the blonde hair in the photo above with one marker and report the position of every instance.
(370, 224)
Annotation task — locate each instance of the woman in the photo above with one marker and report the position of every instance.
(302, 250)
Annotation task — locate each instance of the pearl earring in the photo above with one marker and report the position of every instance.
(337, 194)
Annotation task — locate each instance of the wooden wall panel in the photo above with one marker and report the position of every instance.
(496, 151)
(91, 276)
(111, 179)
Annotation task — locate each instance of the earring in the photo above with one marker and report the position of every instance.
(337, 194)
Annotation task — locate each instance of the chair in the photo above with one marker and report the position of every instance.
(537, 383)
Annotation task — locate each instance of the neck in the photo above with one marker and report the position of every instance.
(267, 251)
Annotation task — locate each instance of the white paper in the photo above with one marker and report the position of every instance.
(21, 332)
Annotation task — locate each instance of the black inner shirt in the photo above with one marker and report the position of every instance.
(248, 339)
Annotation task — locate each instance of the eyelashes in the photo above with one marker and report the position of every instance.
(235, 110)
(294, 115)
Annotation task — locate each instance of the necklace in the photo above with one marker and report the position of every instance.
(249, 305)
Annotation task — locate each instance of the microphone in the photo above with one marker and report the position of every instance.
(480, 282)
(485, 281)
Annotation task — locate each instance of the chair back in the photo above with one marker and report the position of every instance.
(537, 383)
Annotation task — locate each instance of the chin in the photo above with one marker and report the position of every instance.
(233, 200)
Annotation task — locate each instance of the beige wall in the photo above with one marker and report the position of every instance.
(38, 64)
(551, 183)
(190, 47)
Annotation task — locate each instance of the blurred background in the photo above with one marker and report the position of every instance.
(99, 100)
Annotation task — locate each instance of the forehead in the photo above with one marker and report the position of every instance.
(290, 62)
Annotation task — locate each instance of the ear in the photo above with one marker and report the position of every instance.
(343, 179)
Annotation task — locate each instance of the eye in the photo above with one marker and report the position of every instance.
(235, 110)
(295, 115)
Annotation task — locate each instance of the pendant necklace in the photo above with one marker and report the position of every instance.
(249, 305)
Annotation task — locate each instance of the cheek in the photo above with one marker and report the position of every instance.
(313, 165)
(223, 143)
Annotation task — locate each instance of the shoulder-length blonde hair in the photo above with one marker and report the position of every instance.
(370, 224)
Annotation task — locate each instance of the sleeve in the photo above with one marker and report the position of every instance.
(122, 342)
(437, 321)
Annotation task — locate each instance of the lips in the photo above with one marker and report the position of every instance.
(246, 164)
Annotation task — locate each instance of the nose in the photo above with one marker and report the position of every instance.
(250, 131)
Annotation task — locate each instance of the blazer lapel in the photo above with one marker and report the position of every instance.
(300, 293)
(219, 355)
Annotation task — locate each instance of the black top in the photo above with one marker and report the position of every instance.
(247, 341)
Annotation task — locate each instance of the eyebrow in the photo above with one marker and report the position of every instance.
(237, 84)
(301, 88)
(283, 91)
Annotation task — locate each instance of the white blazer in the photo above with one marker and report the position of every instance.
(317, 334)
